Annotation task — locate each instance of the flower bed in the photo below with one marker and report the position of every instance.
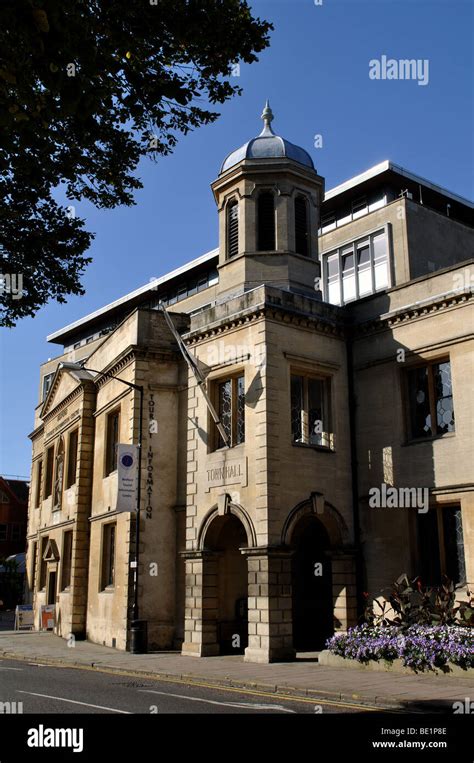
(420, 647)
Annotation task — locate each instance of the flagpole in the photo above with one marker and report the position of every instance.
(197, 373)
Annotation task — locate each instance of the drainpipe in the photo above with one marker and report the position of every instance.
(354, 470)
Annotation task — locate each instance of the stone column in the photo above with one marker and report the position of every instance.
(344, 589)
(284, 231)
(201, 604)
(269, 605)
(248, 221)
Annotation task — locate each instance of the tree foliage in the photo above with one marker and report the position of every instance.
(87, 88)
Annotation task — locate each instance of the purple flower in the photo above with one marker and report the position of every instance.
(420, 647)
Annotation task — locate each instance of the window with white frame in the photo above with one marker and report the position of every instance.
(379, 245)
(348, 274)
(328, 222)
(357, 269)
(332, 279)
(352, 210)
(359, 207)
(363, 268)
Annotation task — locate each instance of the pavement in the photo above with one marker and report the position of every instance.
(303, 678)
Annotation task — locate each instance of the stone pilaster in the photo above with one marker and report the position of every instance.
(344, 590)
(201, 604)
(269, 605)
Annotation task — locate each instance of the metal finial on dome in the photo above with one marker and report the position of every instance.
(267, 146)
(267, 116)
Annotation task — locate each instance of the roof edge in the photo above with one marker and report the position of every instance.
(377, 169)
(150, 286)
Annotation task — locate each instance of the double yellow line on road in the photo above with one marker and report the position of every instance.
(203, 684)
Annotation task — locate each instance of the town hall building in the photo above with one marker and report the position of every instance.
(331, 332)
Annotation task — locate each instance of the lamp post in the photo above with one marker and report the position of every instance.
(138, 628)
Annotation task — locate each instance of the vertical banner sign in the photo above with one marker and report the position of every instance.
(152, 429)
(127, 470)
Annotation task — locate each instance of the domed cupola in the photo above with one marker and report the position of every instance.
(267, 145)
(268, 195)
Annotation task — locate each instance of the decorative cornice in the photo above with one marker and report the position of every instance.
(340, 324)
(236, 321)
(199, 554)
(413, 312)
(107, 515)
(275, 552)
(117, 365)
(36, 432)
(317, 323)
(77, 392)
(133, 353)
(40, 531)
(466, 487)
(339, 329)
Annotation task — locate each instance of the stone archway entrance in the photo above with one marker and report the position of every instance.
(311, 573)
(216, 601)
(225, 537)
(318, 538)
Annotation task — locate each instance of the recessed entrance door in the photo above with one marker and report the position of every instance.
(52, 588)
(311, 586)
(226, 536)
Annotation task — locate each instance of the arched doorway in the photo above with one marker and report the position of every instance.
(311, 585)
(225, 537)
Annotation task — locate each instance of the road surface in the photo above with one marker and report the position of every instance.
(46, 689)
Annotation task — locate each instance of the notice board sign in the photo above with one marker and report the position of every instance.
(47, 617)
(24, 616)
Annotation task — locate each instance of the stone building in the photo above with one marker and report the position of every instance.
(335, 334)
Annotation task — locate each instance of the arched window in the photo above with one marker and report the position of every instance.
(301, 226)
(266, 222)
(232, 228)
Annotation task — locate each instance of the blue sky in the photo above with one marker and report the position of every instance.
(316, 75)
